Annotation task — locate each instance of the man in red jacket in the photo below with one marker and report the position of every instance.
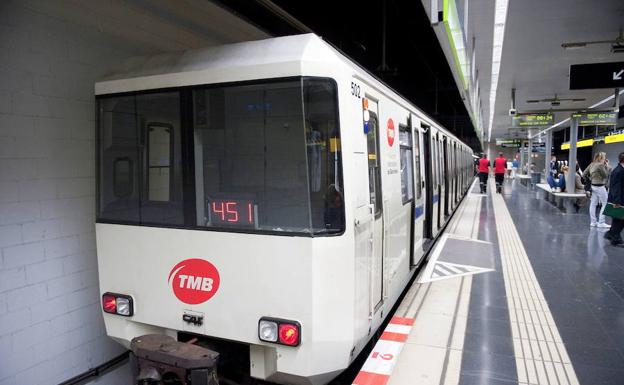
(500, 166)
(484, 170)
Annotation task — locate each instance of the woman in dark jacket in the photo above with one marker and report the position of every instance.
(616, 197)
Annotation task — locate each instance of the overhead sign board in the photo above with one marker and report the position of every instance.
(508, 143)
(596, 118)
(532, 120)
(598, 75)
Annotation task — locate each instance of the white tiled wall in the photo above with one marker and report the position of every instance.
(51, 53)
(50, 324)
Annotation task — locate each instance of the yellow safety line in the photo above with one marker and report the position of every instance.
(541, 357)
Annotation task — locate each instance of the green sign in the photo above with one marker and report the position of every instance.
(532, 120)
(508, 143)
(596, 118)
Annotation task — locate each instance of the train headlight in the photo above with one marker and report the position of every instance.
(279, 331)
(267, 330)
(119, 304)
(123, 306)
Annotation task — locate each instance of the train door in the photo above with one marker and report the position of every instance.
(376, 200)
(440, 185)
(418, 231)
(447, 178)
(427, 160)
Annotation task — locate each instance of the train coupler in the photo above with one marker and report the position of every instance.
(160, 359)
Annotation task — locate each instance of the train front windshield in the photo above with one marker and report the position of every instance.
(253, 157)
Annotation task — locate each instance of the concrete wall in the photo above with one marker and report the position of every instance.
(51, 53)
(612, 150)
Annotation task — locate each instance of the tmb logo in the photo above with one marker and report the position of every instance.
(194, 281)
(390, 132)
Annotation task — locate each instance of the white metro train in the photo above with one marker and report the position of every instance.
(269, 195)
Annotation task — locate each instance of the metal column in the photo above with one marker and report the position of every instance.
(547, 153)
(522, 158)
(570, 179)
(530, 155)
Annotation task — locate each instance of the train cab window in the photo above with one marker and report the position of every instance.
(139, 166)
(254, 157)
(407, 176)
(159, 159)
(123, 175)
(267, 157)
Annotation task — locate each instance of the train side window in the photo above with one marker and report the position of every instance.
(434, 163)
(374, 170)
(417, 164)
(407, 178)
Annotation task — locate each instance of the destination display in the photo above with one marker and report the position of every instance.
(597, 75)
(532, 120)
(596, 118)
(232, 212)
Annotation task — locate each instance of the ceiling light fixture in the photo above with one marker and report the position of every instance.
(617, 44)
(500, 16)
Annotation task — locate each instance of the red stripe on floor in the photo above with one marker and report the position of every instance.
(366, 378)
(389, 336)
(402, 321)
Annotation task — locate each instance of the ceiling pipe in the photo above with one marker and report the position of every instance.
(287, 17)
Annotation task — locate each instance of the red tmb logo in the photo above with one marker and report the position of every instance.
(194, 281)
(390, 132)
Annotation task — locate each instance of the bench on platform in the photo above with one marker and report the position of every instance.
(524, 179)
(563, 200)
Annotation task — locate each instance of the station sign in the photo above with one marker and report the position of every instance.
(508, 143)
(537, 147)
(532, 120)
(596, 118)
(597, 75)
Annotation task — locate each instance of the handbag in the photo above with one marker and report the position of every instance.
(614, 212)
(587, 183)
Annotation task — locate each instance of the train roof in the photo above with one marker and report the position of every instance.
(268, 58)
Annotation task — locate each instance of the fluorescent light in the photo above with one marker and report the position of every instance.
(500, 17)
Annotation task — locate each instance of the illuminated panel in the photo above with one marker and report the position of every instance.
(580, 143)
(614, 138)
(230, 212)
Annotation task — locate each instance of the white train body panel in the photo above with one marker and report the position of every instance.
(339, 288)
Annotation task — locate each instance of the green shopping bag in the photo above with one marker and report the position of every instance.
(614, 212)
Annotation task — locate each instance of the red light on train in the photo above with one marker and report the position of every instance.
(289, 334)
(119, 304)
(109, 303)
(280, 331)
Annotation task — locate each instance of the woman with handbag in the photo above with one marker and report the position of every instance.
(598, 174)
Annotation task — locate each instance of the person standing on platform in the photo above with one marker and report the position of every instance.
(500, 166)
(598, 173)
(484, 170)
(616, 197)
(554, 166)
(514, 167)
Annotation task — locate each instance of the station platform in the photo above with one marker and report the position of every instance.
(516, 291)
